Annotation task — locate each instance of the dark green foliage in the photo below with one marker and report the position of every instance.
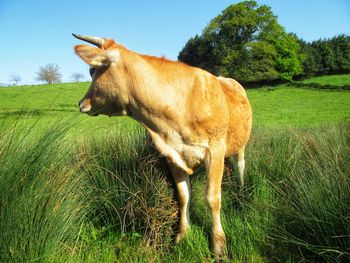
(198, 52)
(327, 56)
(341, 50)
(245, 42)
(310, 64)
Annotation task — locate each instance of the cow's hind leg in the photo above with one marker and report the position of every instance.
(241, 166)
(228, 168)
(182, 182)
(214, 162)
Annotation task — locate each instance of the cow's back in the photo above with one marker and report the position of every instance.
(240, 113)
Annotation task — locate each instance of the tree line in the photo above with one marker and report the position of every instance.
(326, 56)
(49, 73)
(247, 43)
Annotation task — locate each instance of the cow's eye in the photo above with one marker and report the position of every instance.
(92, 71)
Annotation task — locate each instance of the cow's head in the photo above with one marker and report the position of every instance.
(104, 95)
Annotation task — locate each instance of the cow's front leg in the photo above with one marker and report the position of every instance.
(182, 182)
(214, 163)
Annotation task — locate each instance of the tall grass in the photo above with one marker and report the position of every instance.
(308, 178)
(296, 203)
(59, 197)
(131, 183)
(314, 208)
(42, 205)
(108, 198)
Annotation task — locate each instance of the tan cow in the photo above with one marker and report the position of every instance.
(193, 117)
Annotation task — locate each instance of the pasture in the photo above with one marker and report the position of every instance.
(273, 107)
(75, 188)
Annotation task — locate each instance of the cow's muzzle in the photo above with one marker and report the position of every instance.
(85, 105)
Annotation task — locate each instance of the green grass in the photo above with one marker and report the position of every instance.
(75, 188)
(45, 103)
(334, 80)
(287, 106)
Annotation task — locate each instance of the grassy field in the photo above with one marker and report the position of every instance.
(273, 107)
(75, 188)
(335, 80)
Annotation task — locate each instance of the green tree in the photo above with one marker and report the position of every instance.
(198, 52)
(245, 42)
(341, 49)
(310, 64)
(288, 58)
(326, 56)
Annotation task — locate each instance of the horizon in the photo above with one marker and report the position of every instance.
(40, 33)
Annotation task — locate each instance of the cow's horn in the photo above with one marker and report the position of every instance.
(97, 41)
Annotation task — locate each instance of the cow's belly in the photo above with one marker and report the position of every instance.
(185, 156)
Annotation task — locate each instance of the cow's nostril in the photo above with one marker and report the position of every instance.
(84, 106)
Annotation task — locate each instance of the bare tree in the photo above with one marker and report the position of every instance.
(77, 77)
(49, 73)
(15, 79)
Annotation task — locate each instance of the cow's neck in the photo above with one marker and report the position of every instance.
(152, 100)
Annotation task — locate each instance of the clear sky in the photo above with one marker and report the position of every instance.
(36, 32)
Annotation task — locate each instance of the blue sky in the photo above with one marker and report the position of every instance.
(37, 32)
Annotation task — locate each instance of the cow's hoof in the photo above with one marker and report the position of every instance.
(182, 233)
(179, 238)
(219, 247)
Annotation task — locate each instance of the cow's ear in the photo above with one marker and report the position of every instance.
(97, 57)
